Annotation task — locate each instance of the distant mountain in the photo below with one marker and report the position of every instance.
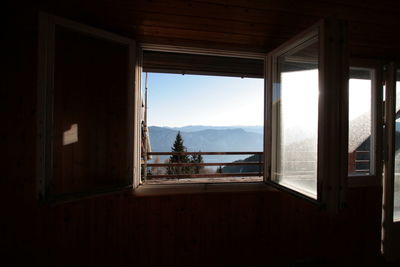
(245, 168)
(196, 128)
(208, 140)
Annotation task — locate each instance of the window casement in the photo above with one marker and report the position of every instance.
(391, 185)
(89, 122)
(87, 125)
(365, 123)
(306, 107)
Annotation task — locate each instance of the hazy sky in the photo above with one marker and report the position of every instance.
(178, 100)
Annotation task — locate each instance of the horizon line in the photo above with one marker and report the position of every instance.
(199, 125)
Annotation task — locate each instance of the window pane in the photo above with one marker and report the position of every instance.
(396, 212)
(360, 91)
(295, 118)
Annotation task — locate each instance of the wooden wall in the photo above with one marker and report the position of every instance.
(122, 229)
(247, 25)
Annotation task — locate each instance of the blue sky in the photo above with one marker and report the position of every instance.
(177, 100)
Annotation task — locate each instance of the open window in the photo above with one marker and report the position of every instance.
(202, 116)
(91, 122)
(306, 148)
(86, 99)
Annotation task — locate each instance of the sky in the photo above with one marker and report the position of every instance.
(177, 100)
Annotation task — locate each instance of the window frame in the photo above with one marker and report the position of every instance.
(151, 189)
(377, 107)
(332, 112)
(296, 43)
(332, 37)
(45, 103)
(390, 227)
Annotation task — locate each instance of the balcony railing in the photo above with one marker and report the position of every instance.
(359, 162)
(203, 164)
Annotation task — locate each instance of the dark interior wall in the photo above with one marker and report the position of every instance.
(240, 25)
(119, 229)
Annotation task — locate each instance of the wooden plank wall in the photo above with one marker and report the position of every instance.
(122, 229)
(253, 25)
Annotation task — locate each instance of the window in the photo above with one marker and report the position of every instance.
(86, 109)
(306, 149)
(91, 122)
(391, 195)
(361, 140)
(215, 104)
(396, 187)
(295, 117)
(365, 123)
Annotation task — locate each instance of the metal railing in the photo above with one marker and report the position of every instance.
(203, 164)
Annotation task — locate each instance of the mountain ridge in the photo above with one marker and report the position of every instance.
(208, 140)
(195, 128)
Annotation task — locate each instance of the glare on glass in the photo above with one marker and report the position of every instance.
(360, 138)
(295, 118)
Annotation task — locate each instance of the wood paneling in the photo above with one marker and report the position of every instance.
(219, 228)
(252, 25)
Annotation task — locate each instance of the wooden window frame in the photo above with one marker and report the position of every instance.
(45, 102)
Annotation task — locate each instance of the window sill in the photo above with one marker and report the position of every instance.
(179, 189)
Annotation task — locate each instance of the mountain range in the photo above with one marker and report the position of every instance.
(209, 139)
(196, 128)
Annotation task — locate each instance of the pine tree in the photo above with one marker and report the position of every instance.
(197, 159)
(178, 147)
(219, 169)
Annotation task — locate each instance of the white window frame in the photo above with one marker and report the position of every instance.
(375, 176)
(332, 115)
(203, 52)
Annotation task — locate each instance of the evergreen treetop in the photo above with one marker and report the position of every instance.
(178, 147)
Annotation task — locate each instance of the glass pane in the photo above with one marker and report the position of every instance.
(360, 91)
(396, 212)
(90, 113)
(295, 118)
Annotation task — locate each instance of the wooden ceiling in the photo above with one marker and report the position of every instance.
(245, 25)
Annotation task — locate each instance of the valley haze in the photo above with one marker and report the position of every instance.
(209, 139)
